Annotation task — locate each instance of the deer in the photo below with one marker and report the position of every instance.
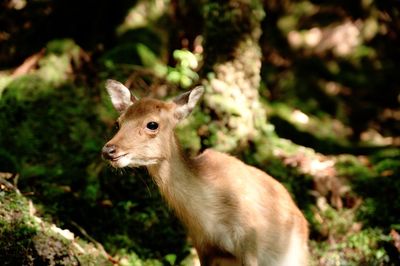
(234, 213)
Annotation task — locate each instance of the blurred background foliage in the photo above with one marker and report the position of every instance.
(327, 120)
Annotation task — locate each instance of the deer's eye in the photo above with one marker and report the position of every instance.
(152, 125)
(116, 125)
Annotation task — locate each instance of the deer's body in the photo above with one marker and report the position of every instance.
(234, 213)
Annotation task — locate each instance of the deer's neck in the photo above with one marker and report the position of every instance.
(175, 174)
(177, 180)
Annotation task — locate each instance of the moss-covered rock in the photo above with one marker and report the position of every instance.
(26, 239)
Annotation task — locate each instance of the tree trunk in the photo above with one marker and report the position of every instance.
(231, 72)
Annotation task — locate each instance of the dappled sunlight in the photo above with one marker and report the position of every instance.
(335, 88)
(142, 14)
(314, 131)
(342, 40)
(17, 4)
(374, 137)
(300, 117)
(388, 113)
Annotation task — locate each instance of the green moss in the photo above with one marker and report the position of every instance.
(132, 259)
(62, 46)
(376, 180)
(27, 88)
(27, 240)
(350, 166)
(127, 53)
(231, 21)
(61, 57)
(388, 167)
(365, 247)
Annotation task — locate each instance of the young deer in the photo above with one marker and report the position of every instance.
(234, 213)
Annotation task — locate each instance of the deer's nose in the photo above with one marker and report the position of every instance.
(109, 151)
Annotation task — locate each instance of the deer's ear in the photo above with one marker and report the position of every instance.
(120, 95)
(187, 101)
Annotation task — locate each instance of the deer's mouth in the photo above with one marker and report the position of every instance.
(115, 159)
(120, 161)
(126, 159)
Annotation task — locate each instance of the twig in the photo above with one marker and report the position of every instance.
(8, 185)
(94, 241)
(28, 64)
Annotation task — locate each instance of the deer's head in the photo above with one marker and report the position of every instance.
(145, 126)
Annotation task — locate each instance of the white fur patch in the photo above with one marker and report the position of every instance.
(296, 253)
(126, 160)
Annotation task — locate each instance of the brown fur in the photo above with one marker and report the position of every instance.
(234, 213)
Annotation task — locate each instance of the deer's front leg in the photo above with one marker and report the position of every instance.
(249, 247)
(249, 260)
(205, 257)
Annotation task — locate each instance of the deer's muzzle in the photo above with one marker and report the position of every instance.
(109, 151)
